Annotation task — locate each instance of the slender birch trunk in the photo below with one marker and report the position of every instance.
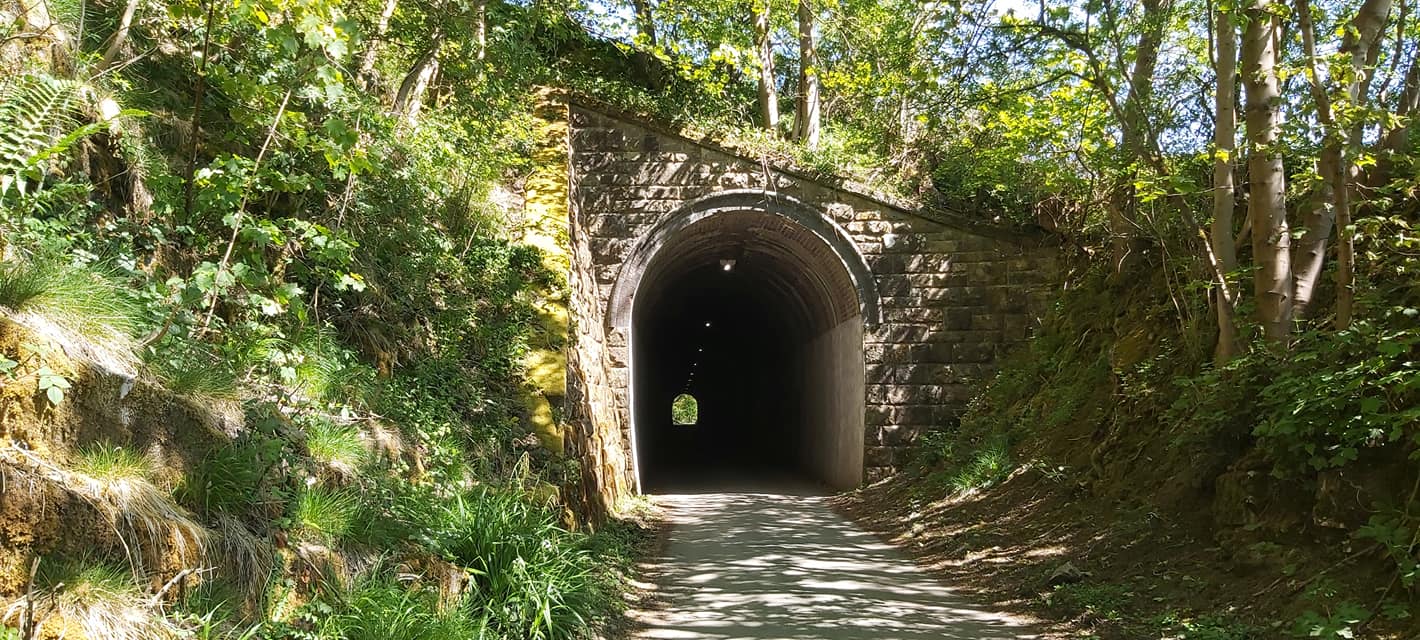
(807, 116)
(1271, 239)
(1319, 212)
(1224, 133)
(372, 48)
(120, 36)
(409, 99)
(1360, 46)
(764, 51)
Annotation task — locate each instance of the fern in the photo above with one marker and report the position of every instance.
(37, 122)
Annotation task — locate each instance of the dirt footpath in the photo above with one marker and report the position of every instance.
(784, 565)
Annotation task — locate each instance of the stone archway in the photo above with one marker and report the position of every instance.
(756, 304)
(955, 294)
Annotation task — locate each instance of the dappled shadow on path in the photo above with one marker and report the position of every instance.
(782, 565)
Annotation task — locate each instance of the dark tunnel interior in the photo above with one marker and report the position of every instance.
(770, 350)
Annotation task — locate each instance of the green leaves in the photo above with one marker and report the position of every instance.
(52, 384)
(37, 122)
(1398, 533)
(1339, 395)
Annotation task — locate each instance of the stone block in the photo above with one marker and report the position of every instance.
(911, 314)
(905, 394)
(903, 333)
(888, 263)
(886, 353)
(619, 225)
(974, 352)
(894, 285)
(958, 319)
(606, 250)
(936, 353)
(877, 474)
(896, 435)
(942, 246)
(985, 321)
(879, 373)
(881, 456)
(734, 181)
(914, 415)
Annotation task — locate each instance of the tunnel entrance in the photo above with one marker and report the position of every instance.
(756, 317)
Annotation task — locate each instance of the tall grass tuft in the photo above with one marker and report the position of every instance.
(87, 300)
(327, 371)
(193, 368)
(379, 608)
(337, 446)
(531, 578)
(528, 578)
(96, 599)
(325, 515)
(109, 463)
(230, 478)
(118, 483)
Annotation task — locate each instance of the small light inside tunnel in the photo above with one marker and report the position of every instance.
(728, 264)
(707, 324)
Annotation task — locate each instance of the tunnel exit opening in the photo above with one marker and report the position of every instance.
(756, 311)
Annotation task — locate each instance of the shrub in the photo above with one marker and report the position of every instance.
(230, 478)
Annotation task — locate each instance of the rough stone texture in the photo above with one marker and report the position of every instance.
(593, 436)
(954, 297)
(544, 225)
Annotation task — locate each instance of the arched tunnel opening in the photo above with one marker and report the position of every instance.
(756, 318)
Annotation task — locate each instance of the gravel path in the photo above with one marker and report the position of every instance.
(783, 565)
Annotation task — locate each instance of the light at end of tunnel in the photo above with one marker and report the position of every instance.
(707, 324)
(727, 264)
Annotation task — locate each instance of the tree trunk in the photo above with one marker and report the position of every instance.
(645, 25)
(408, 101)
(1318, 220)
(1271, 240)
(647, 41)
(367, 61)
(1137, 135)
(764, 51)
(480, 30)
(1396, 139)
(120, 36)
(1225, 129)
(1360, 44)
(1319, 213)
(806, 116)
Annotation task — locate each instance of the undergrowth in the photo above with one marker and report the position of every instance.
(1114, 393)
(373, 342)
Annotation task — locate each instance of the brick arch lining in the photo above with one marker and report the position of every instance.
(800, 263)
(806, 235)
